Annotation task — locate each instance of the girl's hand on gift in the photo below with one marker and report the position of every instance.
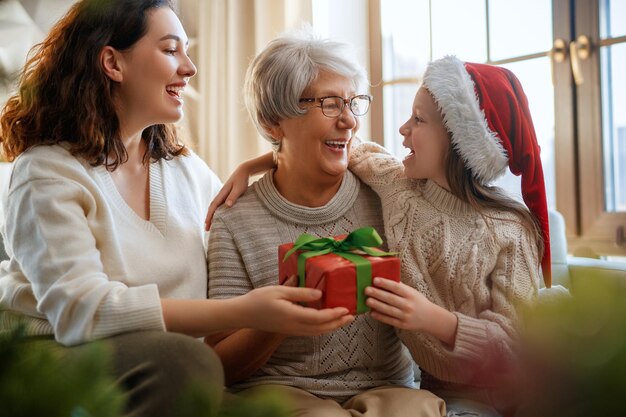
(396, 304)
(274, 309)
(402, 306)
(237, 184)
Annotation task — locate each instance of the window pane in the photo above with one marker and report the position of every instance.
(406, 38)
(613, 61)
(398, 103)
(459, 28)
(535, 77)
(519, 27)
(613, 21)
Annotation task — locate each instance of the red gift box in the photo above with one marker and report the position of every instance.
(335, 275)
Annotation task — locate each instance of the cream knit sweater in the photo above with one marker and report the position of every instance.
(243, 254)
(83, 264)
(481, 268)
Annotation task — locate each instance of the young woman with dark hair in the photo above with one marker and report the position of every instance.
(104, 207)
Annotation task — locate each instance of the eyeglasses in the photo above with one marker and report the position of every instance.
(332, 106)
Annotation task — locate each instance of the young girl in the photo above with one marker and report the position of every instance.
(470, 253)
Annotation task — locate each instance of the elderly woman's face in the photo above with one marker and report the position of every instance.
(315, 145)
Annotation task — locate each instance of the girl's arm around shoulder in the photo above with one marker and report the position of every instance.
(237, 184)
(376, 167)
(206, 184)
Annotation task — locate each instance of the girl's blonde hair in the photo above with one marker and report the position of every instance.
(486, 198)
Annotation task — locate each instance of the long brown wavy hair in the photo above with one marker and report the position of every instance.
(65, 96)
(485, 198)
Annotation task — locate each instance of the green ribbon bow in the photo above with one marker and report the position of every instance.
(364, 239)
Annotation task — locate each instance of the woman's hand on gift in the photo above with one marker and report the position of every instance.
(275, 309)
(237, 184)
(404, 307)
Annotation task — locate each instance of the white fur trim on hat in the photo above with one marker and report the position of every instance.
(451, 86)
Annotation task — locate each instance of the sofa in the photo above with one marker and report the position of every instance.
(569, 270)
(3, 254)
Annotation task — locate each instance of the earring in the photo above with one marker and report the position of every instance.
(275, 149)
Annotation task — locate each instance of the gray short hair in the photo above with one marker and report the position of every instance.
(278, 76)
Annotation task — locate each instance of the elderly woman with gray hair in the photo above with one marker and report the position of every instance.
(306, 95)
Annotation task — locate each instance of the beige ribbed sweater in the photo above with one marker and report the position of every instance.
(243, 254)
(477, 267)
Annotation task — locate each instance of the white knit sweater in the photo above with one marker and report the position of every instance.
(481, 268)
(243, 254)
(83, 264)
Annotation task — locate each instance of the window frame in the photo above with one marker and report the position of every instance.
(591, 229)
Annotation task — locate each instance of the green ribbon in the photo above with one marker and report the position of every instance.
(364, 239)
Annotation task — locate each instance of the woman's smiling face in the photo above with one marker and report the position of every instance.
(155, 71)
(314, 146)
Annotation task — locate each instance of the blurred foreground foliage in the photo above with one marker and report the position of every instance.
(575, 353)
(36, 381)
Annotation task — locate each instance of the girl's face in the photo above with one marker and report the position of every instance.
(314, 146)
(154, 73)
(427, 139)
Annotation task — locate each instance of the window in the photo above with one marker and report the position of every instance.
(413, 33)
(569, 55)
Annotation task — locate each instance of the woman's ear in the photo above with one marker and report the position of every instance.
(110, 61)
(275, 131)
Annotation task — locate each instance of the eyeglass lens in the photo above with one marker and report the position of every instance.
(333, 106)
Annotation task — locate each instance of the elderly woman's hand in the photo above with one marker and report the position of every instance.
(237, 184)
(274, 309)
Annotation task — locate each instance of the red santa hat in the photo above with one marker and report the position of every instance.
(486, 112)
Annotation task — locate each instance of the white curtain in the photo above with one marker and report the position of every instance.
(224, 36)
(23, 23)
(229, 34)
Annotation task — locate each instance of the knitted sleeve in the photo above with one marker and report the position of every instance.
(485, 347)
(227, 272)
(514, 284)
(385, 175)
(49, 237)
(380, 170)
